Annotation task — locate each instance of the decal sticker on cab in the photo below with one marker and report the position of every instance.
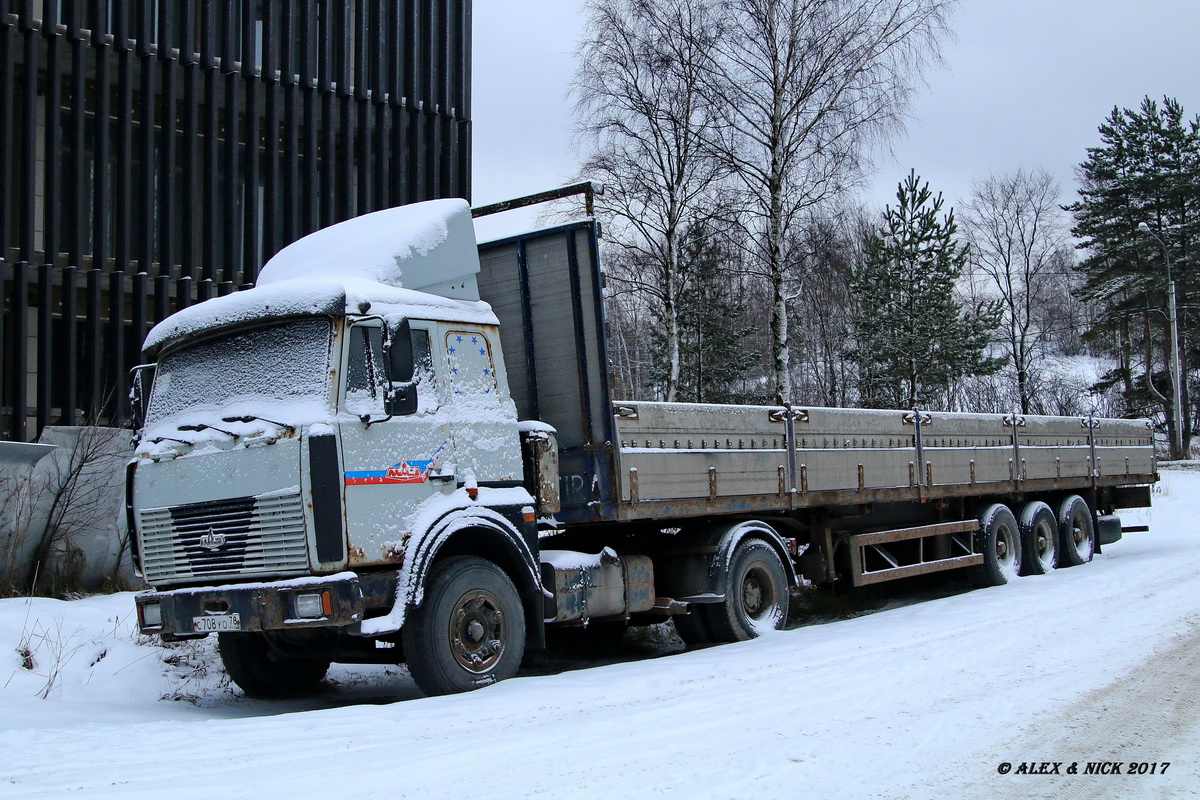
(405, 471)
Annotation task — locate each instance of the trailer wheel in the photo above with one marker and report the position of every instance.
(756, 595)
(468, 632)
(999, 540)
(1076, 533)
(1039, 539)
(252, 665)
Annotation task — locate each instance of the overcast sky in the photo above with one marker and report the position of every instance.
(1025, 84)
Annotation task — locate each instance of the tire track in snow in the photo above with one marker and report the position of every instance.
(1150, 714)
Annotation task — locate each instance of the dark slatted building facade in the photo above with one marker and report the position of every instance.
(154, 153)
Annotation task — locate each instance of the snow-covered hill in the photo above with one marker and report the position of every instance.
(928, 699)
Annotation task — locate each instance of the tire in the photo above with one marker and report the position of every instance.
(468, 632)
(259, 672)
(693, 626)
(999, 540)
(756, 595)
(597, 639)
(1039, 539)
(1076, 532)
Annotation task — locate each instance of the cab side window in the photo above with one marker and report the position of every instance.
(472, 371)
(365, 377)
(423, 372)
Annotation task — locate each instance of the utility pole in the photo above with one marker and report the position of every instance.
(1172, 323)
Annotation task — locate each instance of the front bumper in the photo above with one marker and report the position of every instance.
(267, 606)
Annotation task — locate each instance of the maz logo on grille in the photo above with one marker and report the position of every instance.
(212, 540)
(214, 536)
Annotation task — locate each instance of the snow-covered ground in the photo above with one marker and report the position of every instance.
(921, 699)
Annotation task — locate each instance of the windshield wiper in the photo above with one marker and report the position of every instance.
(203, 427)
(252, 417)
(162, 439)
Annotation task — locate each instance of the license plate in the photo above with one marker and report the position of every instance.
(218, 622)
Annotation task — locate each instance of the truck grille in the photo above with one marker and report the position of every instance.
(239, 537)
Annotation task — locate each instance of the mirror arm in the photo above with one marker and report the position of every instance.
(366, 419)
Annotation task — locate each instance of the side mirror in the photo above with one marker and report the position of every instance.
(140, 385)
(397, 349)
(400, 396)
(401, 399)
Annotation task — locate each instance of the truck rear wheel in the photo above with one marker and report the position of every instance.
(999, 540)
(468, 632)
(253, 666)
(756, 595)
(1039, 534)
(1076, 533)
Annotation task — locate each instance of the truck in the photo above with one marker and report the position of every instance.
(401, 446)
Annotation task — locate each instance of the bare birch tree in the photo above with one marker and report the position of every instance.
(642, 114)
(826, 248)
(805, 86)
(1018, 235)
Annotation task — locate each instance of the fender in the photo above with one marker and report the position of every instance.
(703, 581)
(750, 529)
(496, 531)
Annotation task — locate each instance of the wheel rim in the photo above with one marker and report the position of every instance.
(477, 631)
(1080, 538)
(1006, 551)
(1044, 542)
(758, 597)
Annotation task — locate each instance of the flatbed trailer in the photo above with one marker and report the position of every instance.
(838, 479)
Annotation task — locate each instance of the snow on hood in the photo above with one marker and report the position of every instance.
(420, 260)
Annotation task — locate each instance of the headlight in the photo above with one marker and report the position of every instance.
(312, 605)
(151, 615)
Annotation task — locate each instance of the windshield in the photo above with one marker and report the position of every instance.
(277, 372)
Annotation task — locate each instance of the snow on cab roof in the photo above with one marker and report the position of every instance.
(419, 260)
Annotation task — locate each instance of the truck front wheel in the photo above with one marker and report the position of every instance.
(252, 665)
(468, 632)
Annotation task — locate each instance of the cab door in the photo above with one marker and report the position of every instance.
(488, 445)
(390, 465)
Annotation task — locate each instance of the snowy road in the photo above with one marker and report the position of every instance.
(1092, 664)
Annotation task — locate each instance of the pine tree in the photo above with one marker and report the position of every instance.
(713, 319)
(912, 338)
(1138, 217)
